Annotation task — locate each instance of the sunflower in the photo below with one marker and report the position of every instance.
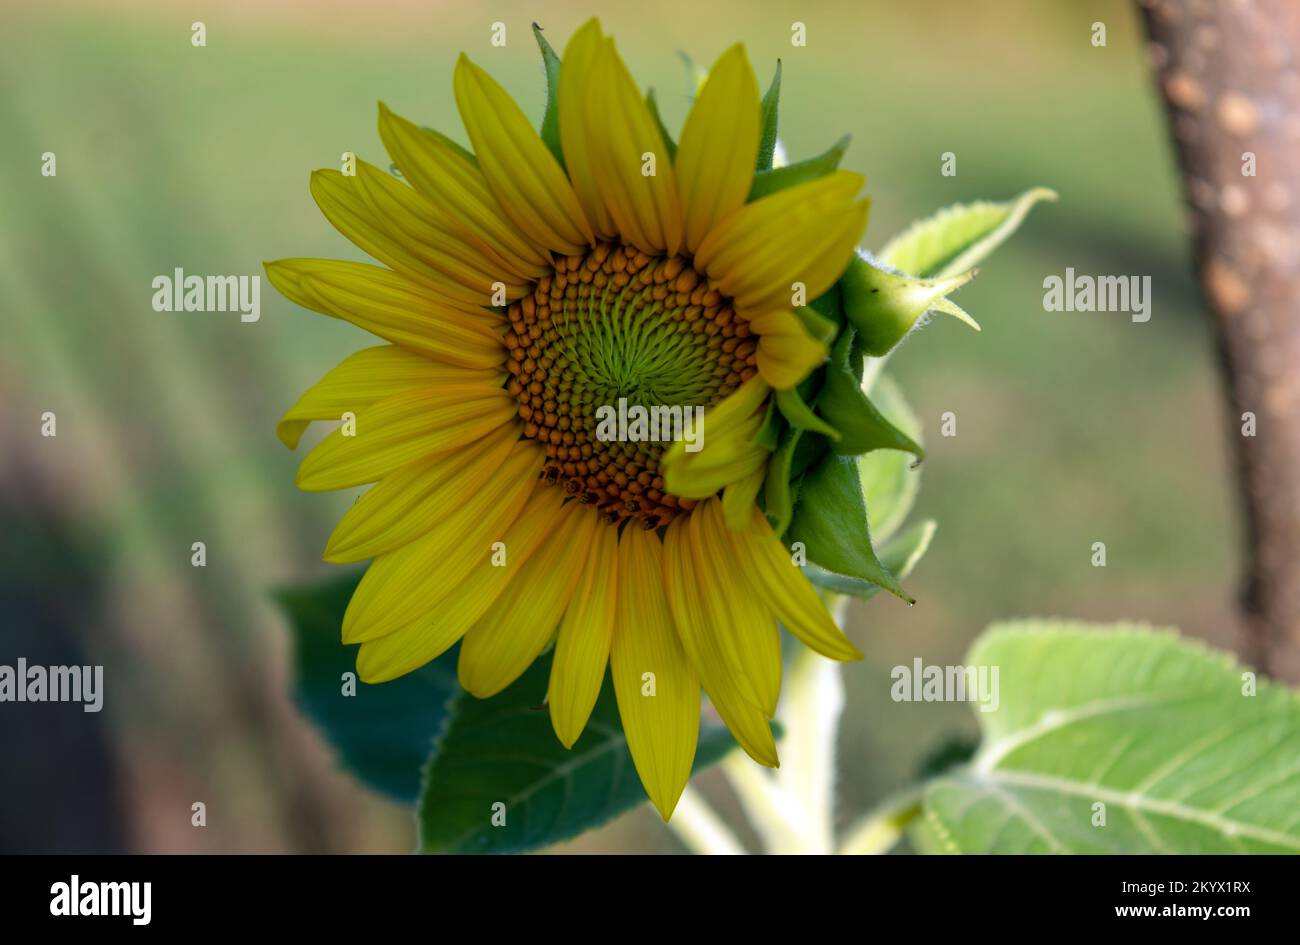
(523, 287)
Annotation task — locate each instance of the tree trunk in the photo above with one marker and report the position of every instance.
(1228, 73)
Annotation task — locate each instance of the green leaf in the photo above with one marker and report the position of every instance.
(959, 237)
(1158, 731)
(801, 416)
(767, 110)
(503, 751)
(831, 521)
(884, 305)
(383, 733)
(653, 104)
(550, 131)
(773, 179)
(890, 478)
(849, 410)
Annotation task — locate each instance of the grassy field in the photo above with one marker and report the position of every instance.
(1072, 427)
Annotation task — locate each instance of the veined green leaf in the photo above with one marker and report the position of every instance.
(890, 478)
(959, 237)
(843, 404)
(779, 178)
(550, 130)
(500, 756)
(830, 519)
(1120, 739)
(768, 109)
(382, 733)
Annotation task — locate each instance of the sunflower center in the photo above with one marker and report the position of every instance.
(615, 330)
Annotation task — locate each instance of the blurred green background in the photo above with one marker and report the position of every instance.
(1072, 427)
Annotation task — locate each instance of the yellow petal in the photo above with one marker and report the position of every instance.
(347, 205)
(728, 454)
(456, 186)
(719, 146)
(524, 176)
(578, 127)
(582, 645)
(727, 415)
(786, 352)
(695, 618)
(806, 234)
(428, 637)
(745, 628)
(368, 376)
(423, 230)
(726, 458)
(403, 428)
(739, 499)
(645, 208)
(401, 586)
(662, 728)
(394, 308)
(516, 628)
(784, 588)
(412, 501)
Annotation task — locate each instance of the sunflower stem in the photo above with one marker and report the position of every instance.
(778, 818)
(699, 827)
(810, 712)
(793, 808)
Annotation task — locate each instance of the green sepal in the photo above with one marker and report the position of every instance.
(819, 326)
(959, 237)
(767, 111)
(898, 556)
(779, 178)
(769, 434)
(831, 522)
(862, 427)
(550, 130)
(884, 305)
(780, 491)
(801, 416)
(653, 105)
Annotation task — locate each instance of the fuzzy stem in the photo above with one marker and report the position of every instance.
(699, 827)
(778, 818)
(793, 808)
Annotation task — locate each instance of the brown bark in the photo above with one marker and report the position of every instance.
(1228, 73)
